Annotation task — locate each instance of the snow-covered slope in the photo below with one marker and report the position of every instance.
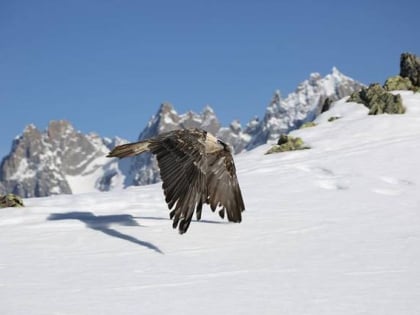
(330, 230)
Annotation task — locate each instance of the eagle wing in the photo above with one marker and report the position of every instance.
(182, 162)
(223, 187)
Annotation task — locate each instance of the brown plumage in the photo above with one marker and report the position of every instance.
(195, 168)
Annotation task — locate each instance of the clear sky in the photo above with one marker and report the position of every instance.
(107, 65)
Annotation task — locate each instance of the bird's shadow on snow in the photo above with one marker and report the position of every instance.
(168, 219)
(102, 224)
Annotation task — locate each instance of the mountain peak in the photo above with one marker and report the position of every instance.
(40, 162)
(59, 128)
(30, 128)
(300, 106)
(207, 110)
(313, 77)
(336, 72)
(166, 108)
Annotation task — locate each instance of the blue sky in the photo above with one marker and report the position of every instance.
(106, 65)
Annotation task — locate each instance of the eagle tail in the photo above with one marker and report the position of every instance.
(129, 149)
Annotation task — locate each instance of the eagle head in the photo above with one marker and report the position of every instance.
(214, 144)
(225, 146)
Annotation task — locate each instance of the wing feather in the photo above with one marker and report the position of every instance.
(223, 186)
(182, 165)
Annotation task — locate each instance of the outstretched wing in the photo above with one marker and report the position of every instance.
(182, 163)
(223, 187)
(129, 149)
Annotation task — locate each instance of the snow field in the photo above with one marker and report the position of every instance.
(330, 230)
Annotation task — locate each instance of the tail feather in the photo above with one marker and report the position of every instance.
(129, 149)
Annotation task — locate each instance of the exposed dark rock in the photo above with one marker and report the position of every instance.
(287, 143)
(327, 104)
(410, 68)
(378, 100)
(283, 139)
(398, 83)
(308, 125)
(11, 200)
(333, 118)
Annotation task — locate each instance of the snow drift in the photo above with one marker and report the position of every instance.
(330, 230)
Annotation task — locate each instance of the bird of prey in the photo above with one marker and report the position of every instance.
(195, 168)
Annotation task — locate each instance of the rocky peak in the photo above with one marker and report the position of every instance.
(300, 106)
(207, 110)
(40, 161)
(207, 120)
(58, 129)
(313, 79)
(30, 129)
(166, 108)
(234, 136)
(165, 119)
(210, 122)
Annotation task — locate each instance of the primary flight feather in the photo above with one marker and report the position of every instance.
(195, 168)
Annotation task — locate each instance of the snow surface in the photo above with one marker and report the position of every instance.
(330, 230)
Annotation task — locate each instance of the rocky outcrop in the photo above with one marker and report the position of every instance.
(287, 143)
(309, 124)
(378, 100)
(398, 83)
(333, 118)
(409, 77)
(11, 200)
(327, 104)
(410, 68)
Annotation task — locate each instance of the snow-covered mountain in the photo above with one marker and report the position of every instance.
(62, 160)
(42, 163)
(303, 105)
(326, 231)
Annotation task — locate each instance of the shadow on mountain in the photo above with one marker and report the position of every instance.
(102, 224)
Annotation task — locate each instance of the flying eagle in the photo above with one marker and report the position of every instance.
(195, 168)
